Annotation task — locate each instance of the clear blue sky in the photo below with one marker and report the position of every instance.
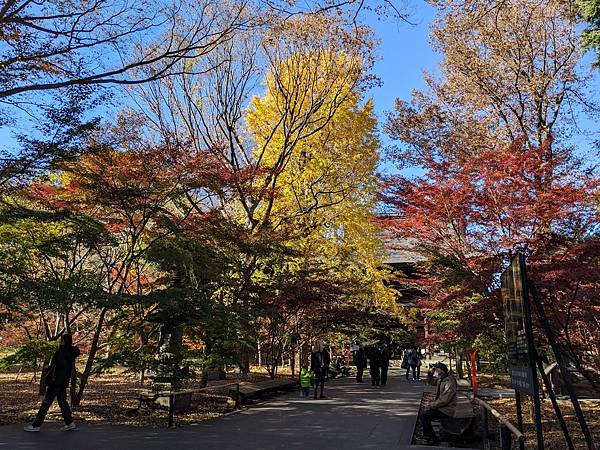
(403, 55)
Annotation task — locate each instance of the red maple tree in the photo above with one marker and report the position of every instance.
(468, 215)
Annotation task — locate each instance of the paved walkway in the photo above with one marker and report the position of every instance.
(353, 416)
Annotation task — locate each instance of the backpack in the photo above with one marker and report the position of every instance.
(48, 377)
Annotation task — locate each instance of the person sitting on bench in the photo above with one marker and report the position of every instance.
(444, 404)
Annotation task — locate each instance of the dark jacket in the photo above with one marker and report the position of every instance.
(317, 363)
(375, 359)
(326, 357)
(385, 356)
(61, 366)
(360, 360)
(413, 358)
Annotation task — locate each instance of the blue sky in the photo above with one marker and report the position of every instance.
(404, 54)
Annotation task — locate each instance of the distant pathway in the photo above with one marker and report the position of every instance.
(353, 416)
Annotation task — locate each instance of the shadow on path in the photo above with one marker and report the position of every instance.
(353, 416)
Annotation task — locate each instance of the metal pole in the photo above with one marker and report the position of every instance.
(486, 440)
(563, 368)
(519, 417)
(531, 350)
(171, 409)
(559, 416)
(505, 438)
(473, 373)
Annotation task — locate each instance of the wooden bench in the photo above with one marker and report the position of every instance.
(463, 417)
(176, 401)
(245, 390)
(239, 392)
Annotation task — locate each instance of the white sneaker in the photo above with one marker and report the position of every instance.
(69, 427)
(31, 429)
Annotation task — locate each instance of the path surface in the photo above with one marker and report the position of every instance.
(353, 416)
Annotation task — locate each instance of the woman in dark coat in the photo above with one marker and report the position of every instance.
(375, 361)
(319, 364)
(57, 380)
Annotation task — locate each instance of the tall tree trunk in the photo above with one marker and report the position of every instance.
(293, 362)
(459, 364)
(207, 352)
(91, 356)
(468, 363)
(245, 359)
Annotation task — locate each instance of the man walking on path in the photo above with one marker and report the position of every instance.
(57, 379)
(419, 363)
(444, 404)
(361, 362)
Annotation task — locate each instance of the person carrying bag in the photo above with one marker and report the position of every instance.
(56, 378)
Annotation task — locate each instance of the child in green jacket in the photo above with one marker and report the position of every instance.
(306, 379)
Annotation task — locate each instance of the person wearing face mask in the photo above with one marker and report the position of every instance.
(444, 404)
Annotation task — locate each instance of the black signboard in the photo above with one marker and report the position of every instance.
(514, 294)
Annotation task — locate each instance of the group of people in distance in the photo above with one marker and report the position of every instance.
(58, 374)
(412, 363)
(378, 357)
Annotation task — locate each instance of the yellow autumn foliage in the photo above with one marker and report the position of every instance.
(318, 141)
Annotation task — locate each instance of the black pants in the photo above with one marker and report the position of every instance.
(359, 373)
(408, 369)
(52, 392)
(428, 416)
(384, 373)
(375, 375)
(319, 380)
(418, 372)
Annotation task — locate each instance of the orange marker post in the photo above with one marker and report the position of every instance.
(473, 373)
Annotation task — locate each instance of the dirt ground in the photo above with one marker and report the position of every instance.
(553, 437)
(492, 380)
(112, 399)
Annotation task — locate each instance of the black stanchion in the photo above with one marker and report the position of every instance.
(563, 368)
(535, 388)
(171, 409)
(550, 391)
(519, 417)
(486, 432)
(505, 438)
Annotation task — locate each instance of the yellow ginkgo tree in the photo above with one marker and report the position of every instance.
(320, 172)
